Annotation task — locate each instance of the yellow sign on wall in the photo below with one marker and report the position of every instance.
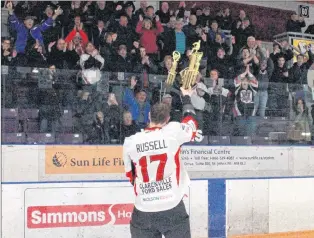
(83, 159)
(302, 45)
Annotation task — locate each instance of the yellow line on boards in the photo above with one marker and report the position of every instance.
(297, 234)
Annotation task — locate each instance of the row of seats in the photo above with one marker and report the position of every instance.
(41, 138)
(27, 120)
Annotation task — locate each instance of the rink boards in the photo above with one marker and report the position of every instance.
(80, 205)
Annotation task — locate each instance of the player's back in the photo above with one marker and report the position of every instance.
(155, 152)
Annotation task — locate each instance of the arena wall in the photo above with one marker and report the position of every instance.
(270, 195)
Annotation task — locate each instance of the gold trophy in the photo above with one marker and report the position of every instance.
(189, 74)
(173, 71)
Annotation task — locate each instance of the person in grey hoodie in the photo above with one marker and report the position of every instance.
(263, 76)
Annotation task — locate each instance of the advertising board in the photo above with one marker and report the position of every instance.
(83, 159)
(302, 45)
(75, 210)
(207, 158)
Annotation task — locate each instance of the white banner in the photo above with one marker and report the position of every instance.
(88, 210)
(243, 158)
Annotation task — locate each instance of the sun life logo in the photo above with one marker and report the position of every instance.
(59, 159)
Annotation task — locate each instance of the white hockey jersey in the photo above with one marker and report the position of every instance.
(160, 179)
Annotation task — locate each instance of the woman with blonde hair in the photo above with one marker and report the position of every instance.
(148, 35)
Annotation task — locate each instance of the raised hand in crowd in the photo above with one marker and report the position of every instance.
(286, 74)
(95, 52)
(58, 12)
(204, 37)
(6, 53)
(118, 8)
(182, 4)
(141, 18)
(10, 7)
(51, 44)
(136, 44)
(267, 54)
(157, 18)
(70, 45)
(133, 82)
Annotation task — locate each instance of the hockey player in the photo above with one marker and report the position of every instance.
(153, 165)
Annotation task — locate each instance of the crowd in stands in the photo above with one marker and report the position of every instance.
(246, 81)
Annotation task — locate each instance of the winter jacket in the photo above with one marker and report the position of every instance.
(264, 77)
(148, 37)
(294, 26)
(22, 32)
(133, 106)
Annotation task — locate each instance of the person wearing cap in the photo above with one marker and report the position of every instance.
(27, 33)
(295, 23)
(137, 104)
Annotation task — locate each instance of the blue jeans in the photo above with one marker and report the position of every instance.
(260, 102)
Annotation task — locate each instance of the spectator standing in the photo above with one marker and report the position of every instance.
(219, 97)
(241, 32)
(222, 63)
(298, 72)
(99, 34)
(138, 105)
(246, 89)
(102, 12)
(108, 51)
(124, 62)
(60, 56)
(54, 32)
(263, 77)
(173, 39)
(281, 49)
(295, 23)
(164, 13)
(225, 19)
(84, 111)
(125, 33)
(91, 63)
(206, 18)
(191, 31)
(278, 91)
(142, 10)
(27, 34)
(148, 35)
(247, 59)
(214, 30)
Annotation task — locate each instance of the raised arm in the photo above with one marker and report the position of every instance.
(14, 22)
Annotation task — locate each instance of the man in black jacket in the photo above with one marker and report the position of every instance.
(299, 70)
(295, 23)
(278, 94)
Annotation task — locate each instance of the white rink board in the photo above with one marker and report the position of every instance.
(262, 206)
(235, 158)
(103, 208)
